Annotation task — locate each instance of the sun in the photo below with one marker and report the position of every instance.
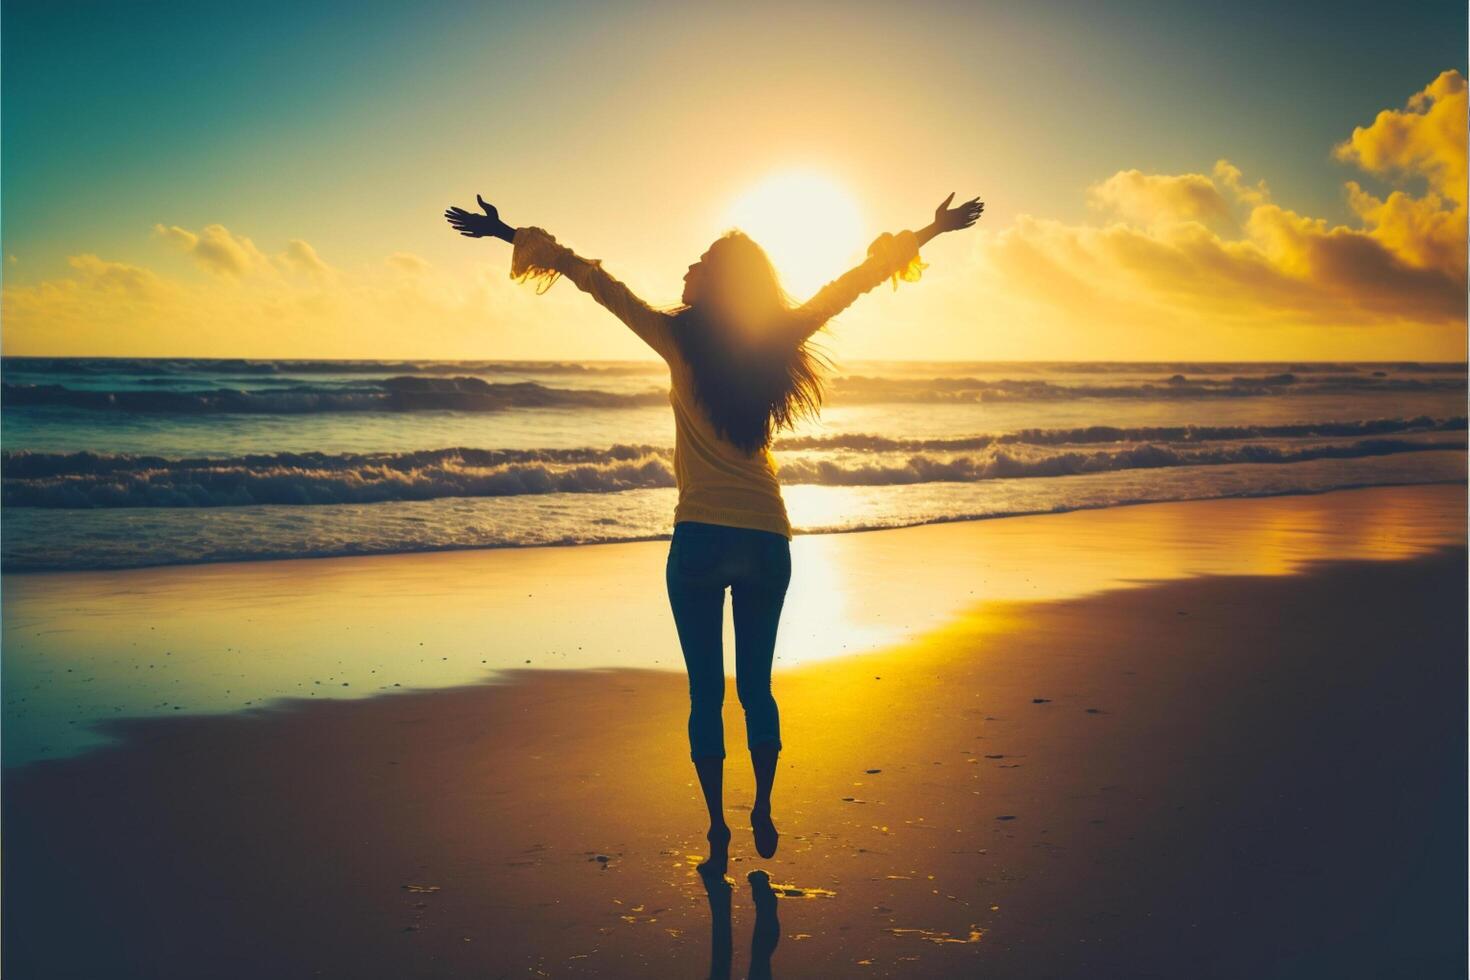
(808, 224)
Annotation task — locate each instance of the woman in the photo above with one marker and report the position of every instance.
(741, 369)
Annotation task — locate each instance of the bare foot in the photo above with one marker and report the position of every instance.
(764, 831)
(719, 852)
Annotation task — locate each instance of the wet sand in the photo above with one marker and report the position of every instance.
(1218, 776)
(85, 647)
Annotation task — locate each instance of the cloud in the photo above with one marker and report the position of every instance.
(293, 303)
(218, 250)
(115, 277)
(1149, 198)
(1420, 230)
(1228, 176)
(1425, 139)
(301, 257)
(1213, 248)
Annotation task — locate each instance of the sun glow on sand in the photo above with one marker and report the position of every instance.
(808, 224)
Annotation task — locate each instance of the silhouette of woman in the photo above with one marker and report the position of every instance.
(741, 369)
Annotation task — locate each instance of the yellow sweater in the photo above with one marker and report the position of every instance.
(718, 482)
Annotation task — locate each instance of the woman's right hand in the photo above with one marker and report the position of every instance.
(471, 225)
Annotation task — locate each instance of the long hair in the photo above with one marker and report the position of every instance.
(755, 373)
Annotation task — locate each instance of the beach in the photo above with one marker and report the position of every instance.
(1072, 401)
(1208, 739)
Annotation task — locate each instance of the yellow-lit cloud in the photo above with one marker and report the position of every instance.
(301, 257)
(110, 278)
(1212, 248)
(294, 303)
(1427, 139)
(1150, 198)
(217, 249)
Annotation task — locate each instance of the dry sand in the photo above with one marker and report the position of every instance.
(1221, 776)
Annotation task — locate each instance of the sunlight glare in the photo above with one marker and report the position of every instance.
(808, 224)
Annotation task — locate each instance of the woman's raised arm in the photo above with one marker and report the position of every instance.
(538, 256)
(889, 257)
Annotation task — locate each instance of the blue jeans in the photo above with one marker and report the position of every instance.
(705, 559)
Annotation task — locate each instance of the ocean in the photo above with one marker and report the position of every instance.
(128, 462)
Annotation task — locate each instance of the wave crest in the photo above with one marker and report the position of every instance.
(90, 480)
(1109, 433)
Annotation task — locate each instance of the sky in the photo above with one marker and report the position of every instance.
(1163, 180)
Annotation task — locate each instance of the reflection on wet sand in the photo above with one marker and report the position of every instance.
(767, 932)
(721, 945)
(764, 937)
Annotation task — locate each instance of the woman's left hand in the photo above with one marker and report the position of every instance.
(947, 218)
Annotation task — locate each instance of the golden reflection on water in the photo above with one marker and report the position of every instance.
(85, 647)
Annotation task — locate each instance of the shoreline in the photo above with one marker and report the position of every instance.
(86, 647)
(1211, 776)
(963, 519)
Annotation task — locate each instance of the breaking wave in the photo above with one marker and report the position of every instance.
(1109, 433)
(95, 480)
